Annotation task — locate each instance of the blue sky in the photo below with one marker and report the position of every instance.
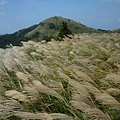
(19, 14)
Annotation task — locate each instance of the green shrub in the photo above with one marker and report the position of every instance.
(64, 31)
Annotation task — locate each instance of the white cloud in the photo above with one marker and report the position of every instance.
(2, 2)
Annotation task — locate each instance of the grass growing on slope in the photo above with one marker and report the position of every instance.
(71, 79)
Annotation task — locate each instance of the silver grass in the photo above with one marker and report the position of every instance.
(17, 95)
(64, 76)
(97, 113)
(114, 91)
(12, 104)
(54, 85)
(42, 116)
(5, 112)
(32, 116)
(114, 78)
(90, 110)
(83, 76)
(60, 116)
(79, 88)
(81, 98)
(26, 78)
(31, 92)
(107, 99)
(44, 89)
(91, 88)
(89, 63)
(42, 69)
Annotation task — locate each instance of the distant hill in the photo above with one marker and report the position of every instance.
(45, 29)
(116, 31)
(15, 38)
(51, 26)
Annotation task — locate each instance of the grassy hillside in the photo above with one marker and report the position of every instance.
(76, 79)
(15, 38)
(51, 26)
(48, 28)
(116, 31)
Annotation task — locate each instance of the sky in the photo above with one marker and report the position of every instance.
(19, 14)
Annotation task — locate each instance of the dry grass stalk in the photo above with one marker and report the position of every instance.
(84, 76)
(12, 104)
(79, 88)
(114, 91)
(107, 99)
(64, 76)
(80, 98)
(60, 116)
(114, 78)
(31, 92)
(44, 89)
(17, 96)
(90, 110)
(97, 113)
(79, 105)
(55, 85)
(91, 88)
(24, 77)
(33, 116)
(5, 112)
(43, 70)
(42, 116)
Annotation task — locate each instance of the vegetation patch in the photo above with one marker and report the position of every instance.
(73, 79)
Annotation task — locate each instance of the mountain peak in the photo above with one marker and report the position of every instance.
(47, 28)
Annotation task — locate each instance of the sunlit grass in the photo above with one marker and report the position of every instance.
(76, 68)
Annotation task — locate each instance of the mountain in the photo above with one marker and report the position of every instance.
(45, 29)
(15, 38)
(51, 26)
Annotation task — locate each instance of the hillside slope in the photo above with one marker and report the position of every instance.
(51, 27)
(45, 29)
(15, 38)
(76, 79)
